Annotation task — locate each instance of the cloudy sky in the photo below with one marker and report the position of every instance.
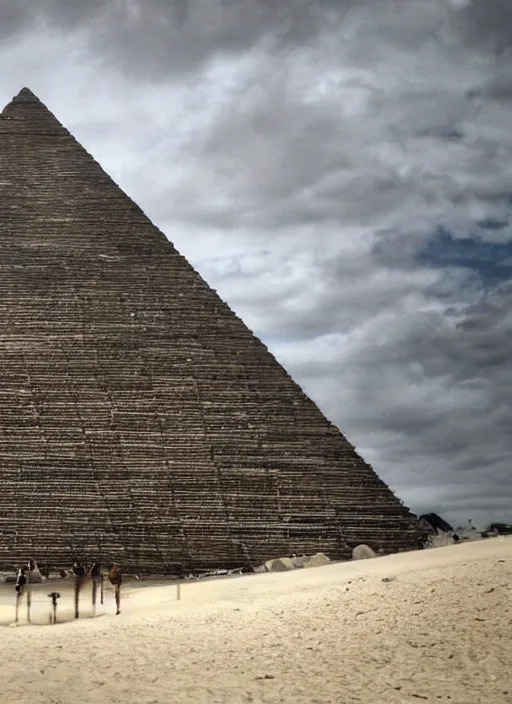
(341, 172)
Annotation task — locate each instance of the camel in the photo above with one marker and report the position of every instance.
(34, 573)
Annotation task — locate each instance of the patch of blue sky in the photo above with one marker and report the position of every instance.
(489, 262)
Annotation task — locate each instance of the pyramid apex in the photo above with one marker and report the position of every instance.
(26, 96)
(26, 105)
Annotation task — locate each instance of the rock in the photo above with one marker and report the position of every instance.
(317, 560)
(362, 552)
(281, 564)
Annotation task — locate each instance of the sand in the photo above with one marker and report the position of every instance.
(432, 625)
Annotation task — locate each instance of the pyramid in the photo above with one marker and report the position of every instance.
(140, 419)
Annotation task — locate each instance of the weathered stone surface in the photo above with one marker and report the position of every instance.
(362, 552)
(317, 560)
(281, 564)
(142, 421)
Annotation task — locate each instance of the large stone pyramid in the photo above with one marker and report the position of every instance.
(140, 419)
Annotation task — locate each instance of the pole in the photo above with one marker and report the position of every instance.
(94, 591)
(118, 599)
(29, 601)
(78, 584)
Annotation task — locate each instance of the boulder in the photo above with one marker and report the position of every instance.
(362, 552)
(317, 560)
(281, 564)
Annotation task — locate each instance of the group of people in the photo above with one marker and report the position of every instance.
(30, 573)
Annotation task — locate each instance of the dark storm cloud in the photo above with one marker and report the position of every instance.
(162, 37)
(167, 36)
(18, 16)
(488, 23)
(424, 145)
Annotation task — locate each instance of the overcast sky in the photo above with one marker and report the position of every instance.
(341, 172)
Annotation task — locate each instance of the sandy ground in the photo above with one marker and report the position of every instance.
(433, 625)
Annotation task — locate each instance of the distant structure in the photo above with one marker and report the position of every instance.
(500, 528)
(436, 523)
(140, 420)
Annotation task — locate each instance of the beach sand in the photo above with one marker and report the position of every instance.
(433, 625)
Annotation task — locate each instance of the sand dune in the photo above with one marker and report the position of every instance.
(433, 625)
